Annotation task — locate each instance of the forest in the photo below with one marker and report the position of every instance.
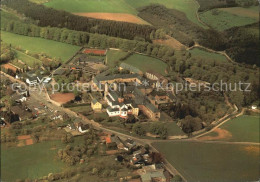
(240, 43)
(54, 18)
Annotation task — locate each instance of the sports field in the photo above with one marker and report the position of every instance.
(242, 129)
(226, 18)
(39, 45)
(212, 162)
(189, 7)
(31, 161)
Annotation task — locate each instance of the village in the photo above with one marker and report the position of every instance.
(138, 97)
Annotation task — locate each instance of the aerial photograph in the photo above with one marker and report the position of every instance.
(130, 91)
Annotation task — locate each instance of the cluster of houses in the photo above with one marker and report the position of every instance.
(140, 158)
(127, 94)
(77, 127)
(86, 64)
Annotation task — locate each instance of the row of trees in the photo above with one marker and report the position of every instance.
(55, 18)
(87, 39)
(155, 128)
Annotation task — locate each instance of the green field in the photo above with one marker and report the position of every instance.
(146, 63)
(243, 129)
(83, 6)
(39, 45)
(173, 129)
(230, 17)
(136, 60)
(196, 52)
(32, 161)
(189, 7)
(113, 57)
(212, 162)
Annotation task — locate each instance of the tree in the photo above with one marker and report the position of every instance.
(139, 129)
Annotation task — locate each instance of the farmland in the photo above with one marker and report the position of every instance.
(32, 161)
(225, 18)
(39, 45)
(204, 162)
(242, 129)
(189, 7)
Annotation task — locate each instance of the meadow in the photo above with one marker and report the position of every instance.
(241, 129)
(141, 62)
(225, 18)
(28, 60)
(39, 45)
(32, 161)
(136, 60)
(113, 57)
(196, 52)
(189, 7)
(205, 162)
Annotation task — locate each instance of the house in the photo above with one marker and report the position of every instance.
(118, 106)
(152, 173)
(152, 176)
(137, 160)
(101, 81)
(95, 105)
(130, 143)
(32, 81)
(71, 126)
(21, 113)
(82, 128)
(19, 98)
(254, 107)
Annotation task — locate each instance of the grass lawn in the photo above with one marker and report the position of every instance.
(189, 7)
(196, 52)
(39, 45)
(173, 129)
(81, 109)
(243, 129)
(32, 161)
(113, 57)
(212, 162)
(145, 63)
(229, 17)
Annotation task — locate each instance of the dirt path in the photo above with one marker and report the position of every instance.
(223, 122)
(197, 15)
